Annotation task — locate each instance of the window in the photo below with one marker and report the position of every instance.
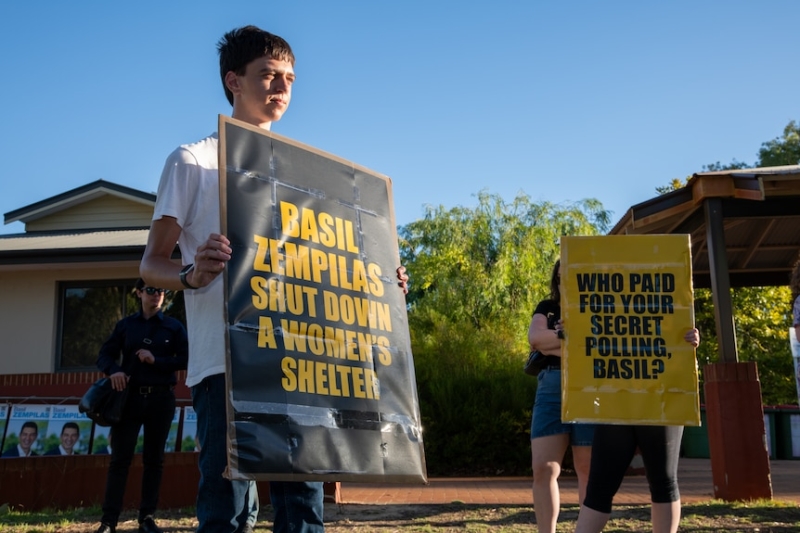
(88, 311)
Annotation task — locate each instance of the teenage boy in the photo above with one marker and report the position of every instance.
(257, 71)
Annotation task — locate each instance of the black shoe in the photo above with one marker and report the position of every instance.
(148, 525)
(105, 528)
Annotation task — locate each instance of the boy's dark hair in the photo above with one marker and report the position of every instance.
(70, 425)
(30, 424)
(239, 47)
(139, 284)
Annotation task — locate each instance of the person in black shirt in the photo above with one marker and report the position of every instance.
(152, 348)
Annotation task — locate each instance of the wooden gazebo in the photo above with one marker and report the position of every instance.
(745, 232)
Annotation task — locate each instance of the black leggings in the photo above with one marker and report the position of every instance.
(613, 449)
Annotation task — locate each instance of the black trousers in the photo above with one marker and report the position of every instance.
(613, 448)
(155, 412)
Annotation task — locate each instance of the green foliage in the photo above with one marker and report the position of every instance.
(783, 150)
(12, 441)
(50, 442)
(733, 165)
(674, 185)
(100, 444)
(474, 398)
(762, 320)
(476, 276)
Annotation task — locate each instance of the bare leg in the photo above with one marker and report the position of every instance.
(581, 459)
(546, 456)
(591, 521)
(666, 517)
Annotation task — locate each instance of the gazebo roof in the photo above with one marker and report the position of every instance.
(761, 221)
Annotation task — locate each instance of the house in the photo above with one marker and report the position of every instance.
(67, 280)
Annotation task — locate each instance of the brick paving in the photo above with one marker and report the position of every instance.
(694, 480)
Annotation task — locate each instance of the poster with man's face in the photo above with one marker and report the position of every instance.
(68, 431)
(172, 437)
(101, 440)
(27, 426)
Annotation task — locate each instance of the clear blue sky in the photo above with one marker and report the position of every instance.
(559, 100)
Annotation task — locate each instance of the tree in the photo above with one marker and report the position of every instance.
(783, 150)
(762, 316)
(476, 276)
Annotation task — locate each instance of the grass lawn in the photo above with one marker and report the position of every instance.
(712, 516)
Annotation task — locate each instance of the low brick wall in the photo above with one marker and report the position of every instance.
(60, 482)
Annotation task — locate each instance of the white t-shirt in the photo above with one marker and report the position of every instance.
(189, 192)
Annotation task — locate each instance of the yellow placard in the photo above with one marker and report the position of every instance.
(626, 304)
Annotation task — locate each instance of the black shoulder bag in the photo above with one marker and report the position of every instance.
(102, 403)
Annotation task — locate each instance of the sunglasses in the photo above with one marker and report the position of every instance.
(152, 290)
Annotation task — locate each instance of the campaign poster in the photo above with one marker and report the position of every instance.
(139, 441)
(172, 437)
(26, 430)
(189, 441)
(101, 440)
(68, 432)
(626, 305)
(3, 422)
(320, 371)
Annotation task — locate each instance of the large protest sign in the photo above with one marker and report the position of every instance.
(626, 305)
(320, 372)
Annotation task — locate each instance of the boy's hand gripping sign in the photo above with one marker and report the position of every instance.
(626, 306)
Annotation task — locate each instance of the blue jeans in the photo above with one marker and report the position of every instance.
(223, 505)
(546, 418)
(298, 506)
(252, 505)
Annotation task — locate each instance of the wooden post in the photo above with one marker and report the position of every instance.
(736, 434)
